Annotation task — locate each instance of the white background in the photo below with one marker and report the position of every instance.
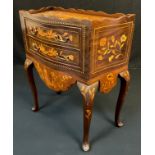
(6, 77)
(148, 77)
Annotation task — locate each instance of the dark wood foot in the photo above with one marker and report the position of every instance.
(125, 78)
(59, 92)
(88, 93)
(28, 66)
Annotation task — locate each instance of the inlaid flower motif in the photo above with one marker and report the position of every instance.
(103, 41)
(110, 76)
(51, 34)
(100, 57)
(111, 58)
(70, 37)
(71, 57)
(111, 48)
(113, 38)
(52, 52)
(123, 38)
(88, 113)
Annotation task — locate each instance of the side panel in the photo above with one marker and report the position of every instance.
(111, 47)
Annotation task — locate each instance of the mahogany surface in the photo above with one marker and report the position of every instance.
(84, 47)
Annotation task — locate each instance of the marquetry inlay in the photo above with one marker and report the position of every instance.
(55, 80)
(111, 48)
(51, 34)
(84, 47)
(107, 82)
(52, 51)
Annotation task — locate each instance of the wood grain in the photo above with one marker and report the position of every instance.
(53, 79)
(70, 45)
(88, 93)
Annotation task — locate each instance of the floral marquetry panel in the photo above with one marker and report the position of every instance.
(54, 52)
(51, 34)
(55, 80)
(68, 36)
(112, 47)
(107, 82)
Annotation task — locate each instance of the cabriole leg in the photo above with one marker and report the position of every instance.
(125, 78)
(88, 93)
(28, 66)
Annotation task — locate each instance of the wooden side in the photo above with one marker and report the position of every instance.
(110, 47)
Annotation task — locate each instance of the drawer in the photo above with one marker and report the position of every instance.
(63, 35)
(53, 53)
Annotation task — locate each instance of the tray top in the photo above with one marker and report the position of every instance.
(69, 15)
(79, 14)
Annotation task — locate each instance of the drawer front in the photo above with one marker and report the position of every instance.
(112, 46)
(54, 53)
(53, 33)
